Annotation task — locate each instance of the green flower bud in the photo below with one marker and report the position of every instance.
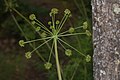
(54, 10)
(85, 25)
(28, 55)
(71, 30)
(52, 27)
(47, 65)
(43, 35)
(57, 21)
(68, 52)
(67, 12)
(33, 22)
(88, 33)
(32, 17)
(50, 14)
(88, 58)
(49, 23)
(21, 43)
(37, 29)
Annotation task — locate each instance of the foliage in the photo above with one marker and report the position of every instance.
(72, 65)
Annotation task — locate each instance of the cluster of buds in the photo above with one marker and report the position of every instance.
(54, 31)
(88, 58)
(68, 52)
(48, 65)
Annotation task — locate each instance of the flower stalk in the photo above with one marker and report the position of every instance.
(57, 60)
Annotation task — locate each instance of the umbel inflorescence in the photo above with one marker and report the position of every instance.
(54, 33)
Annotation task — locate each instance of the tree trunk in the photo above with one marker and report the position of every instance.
(106, 39)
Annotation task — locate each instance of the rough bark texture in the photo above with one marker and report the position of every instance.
(106, 39)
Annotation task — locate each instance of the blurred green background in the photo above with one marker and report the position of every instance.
(14, 65)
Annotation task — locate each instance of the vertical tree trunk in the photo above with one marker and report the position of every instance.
(106, 39)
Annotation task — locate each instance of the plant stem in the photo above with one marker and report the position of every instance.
(57, 60)
(28, 22)
(26, 37)
(51, 51)
(62, 23)
(38, 40)
(72, 47)
(85, 69)
(70, 34)
(43, 26)
(68, 30)
(75, 71)
(40, 45)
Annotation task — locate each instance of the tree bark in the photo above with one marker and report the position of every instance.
(106, 39)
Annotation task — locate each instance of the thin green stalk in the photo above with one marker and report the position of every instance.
(40, 45)
(24, 18)
(60, 27)
(6, 3)
(51, 52)
(26, 37)
(68, 30)
(63, 74)
(53, 22)
(70, 34)
(18, 25)
(72, 47)
(38, 40)
(60, 22)
(84, 9)
(78, 27)
(64, 32)
(46, 43)
(74, 72)
(85, 71)
(43, 26)
(77, 5)
(85, 12)
(86, 16)
(57, 60)
(61, 45)
(78, 40)
(44, 30)
(28, 22)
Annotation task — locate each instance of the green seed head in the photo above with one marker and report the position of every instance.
(32, 17)
(28, 55)
(37, 29)
(85, 25)
(57, 21)
(68, 52)
(50, 14)
(71, 30)
(88, 33)
(67, 12)
(21, 43)
(33, 22)
(54, 10)
(47, 65)
(49, 23)
(88, 58)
